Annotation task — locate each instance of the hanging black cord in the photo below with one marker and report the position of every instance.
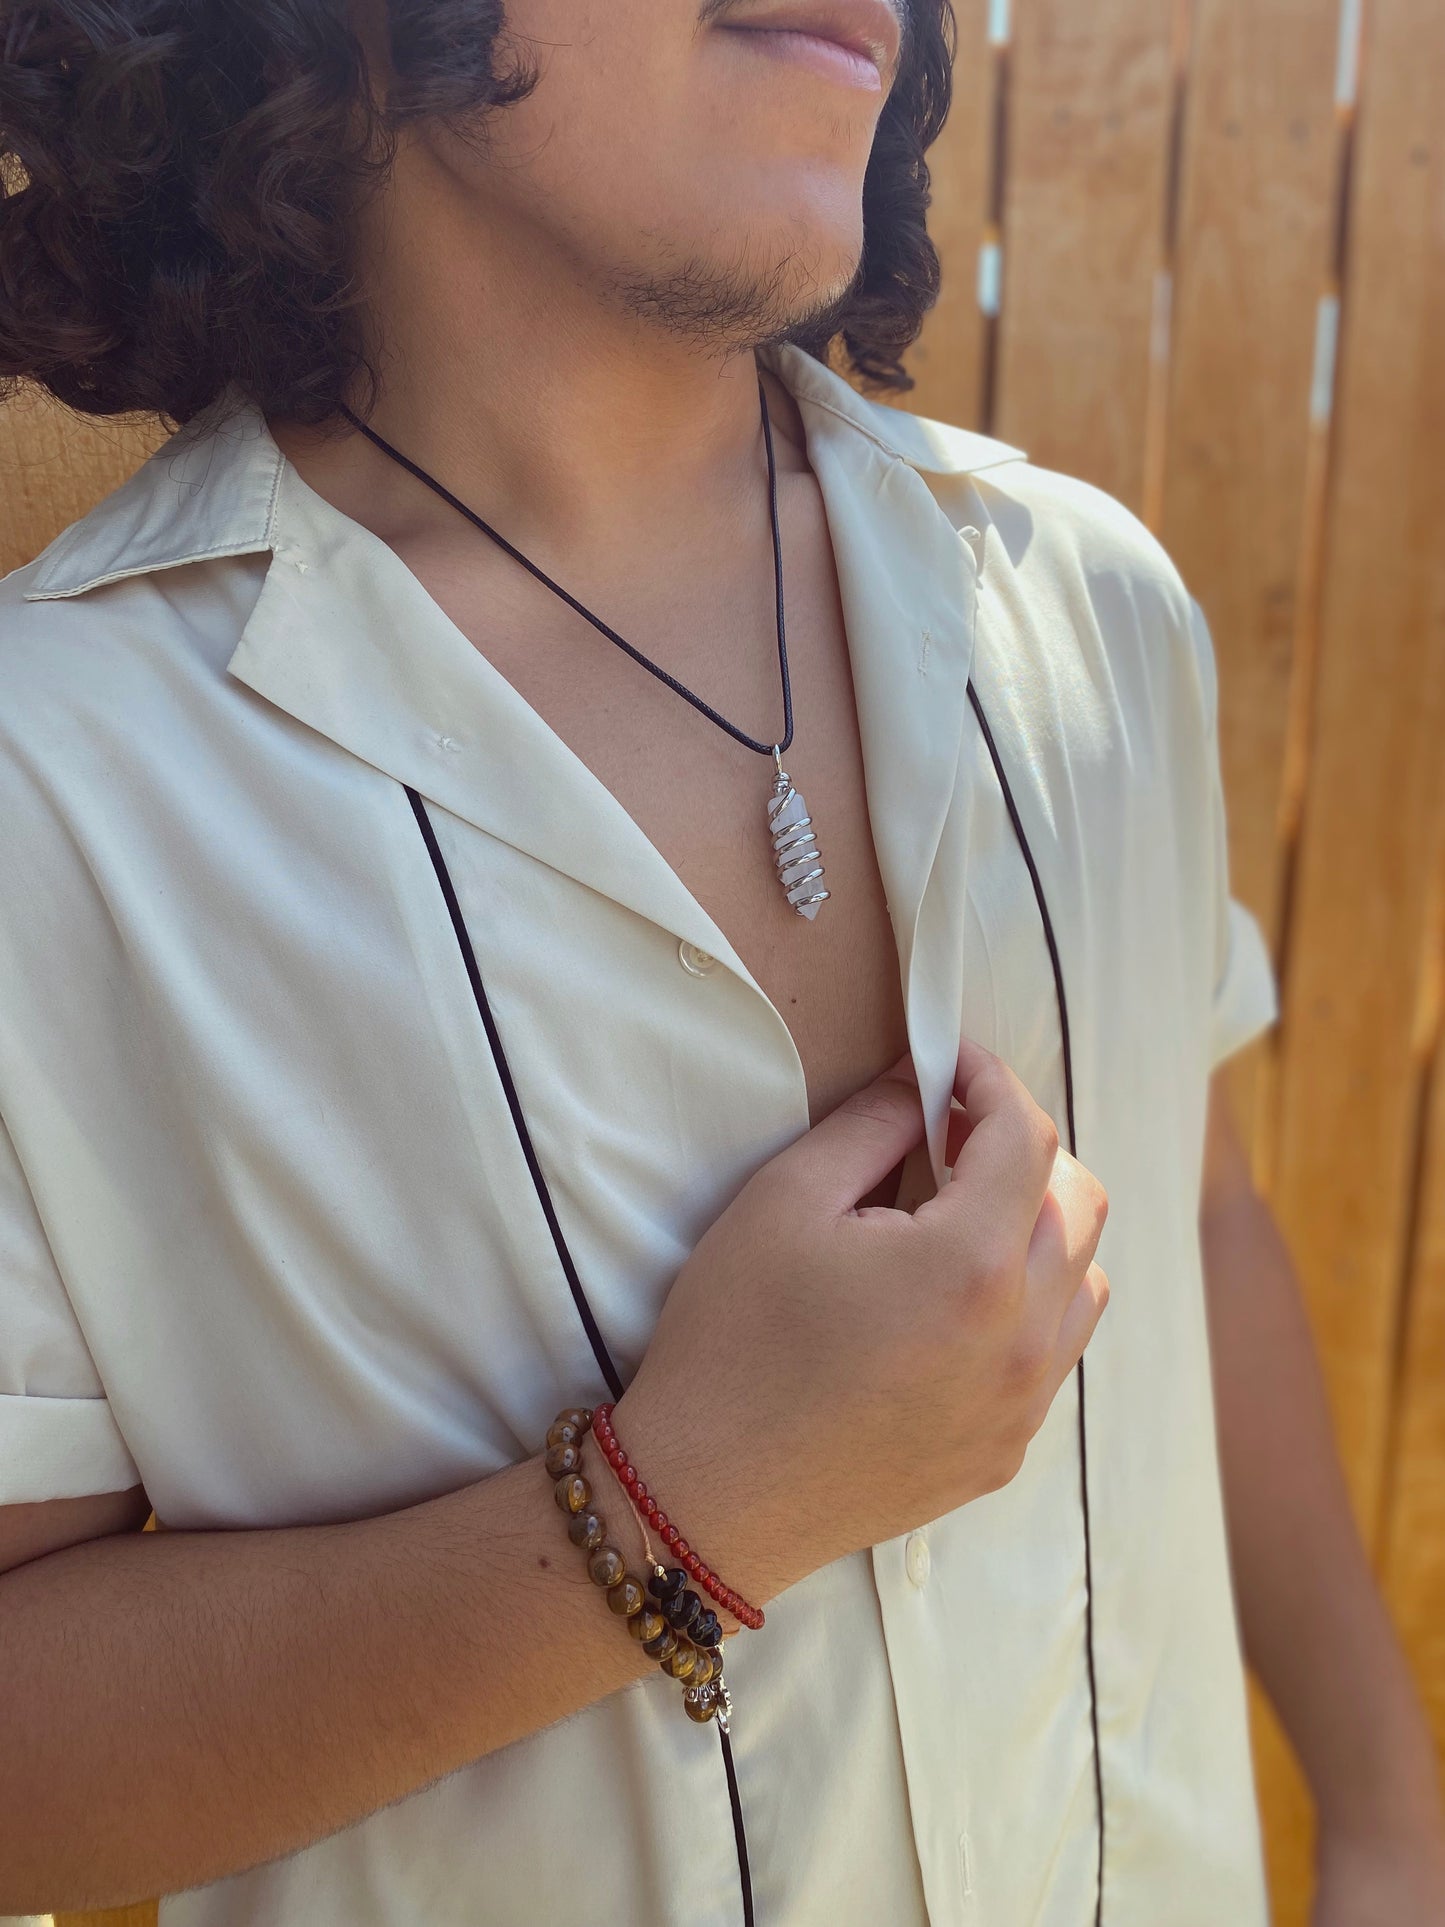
(765, 749)
(1068, 1055)
(603, 1356)
(605, 1361)
(504, 1072)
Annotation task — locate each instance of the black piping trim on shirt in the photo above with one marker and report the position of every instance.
(604, 1357)
(514, 1103)
(1049, 938)
(544, 1197)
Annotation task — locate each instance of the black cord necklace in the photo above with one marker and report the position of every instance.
(795, 847)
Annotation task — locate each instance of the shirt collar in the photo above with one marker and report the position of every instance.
(212, 488)
(345, 639)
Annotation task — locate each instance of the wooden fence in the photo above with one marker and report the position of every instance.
(1195, 252)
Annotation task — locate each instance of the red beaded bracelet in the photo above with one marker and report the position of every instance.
(627, 1472)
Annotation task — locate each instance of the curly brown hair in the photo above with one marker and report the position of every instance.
(176, 178)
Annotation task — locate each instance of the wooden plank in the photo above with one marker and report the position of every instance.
(947, 360)
(1253, 241)
(1414, 1564)
(1353, 1049)
(144, 1916)
(1254, 234)
(1089, 103)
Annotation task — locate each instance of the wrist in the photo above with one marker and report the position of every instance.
(715, 1507)
(668, 1552)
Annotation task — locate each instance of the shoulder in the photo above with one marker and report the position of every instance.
(1075, 523)
(110, 693)
(1086, 574)
(125, 642)
(1086, 623)
(1062, 535)
(150, 588)
(1060, 528)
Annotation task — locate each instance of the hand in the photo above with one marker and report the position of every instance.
(1381, 1883)
(823, 1378)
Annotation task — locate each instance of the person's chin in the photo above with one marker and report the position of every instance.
(819, 275)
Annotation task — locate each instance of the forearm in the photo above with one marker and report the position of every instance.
(180, 1706)
(1314, 1626)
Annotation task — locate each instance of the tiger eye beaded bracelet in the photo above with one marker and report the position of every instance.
(662, 1615)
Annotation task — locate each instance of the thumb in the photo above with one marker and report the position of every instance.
(854, 1148)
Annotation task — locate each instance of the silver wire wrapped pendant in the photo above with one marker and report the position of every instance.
(795, 847)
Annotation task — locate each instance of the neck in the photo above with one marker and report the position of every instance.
(543, 405)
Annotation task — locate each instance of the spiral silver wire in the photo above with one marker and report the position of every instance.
(795, 847)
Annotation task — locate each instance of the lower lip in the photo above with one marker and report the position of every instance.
(822, 57)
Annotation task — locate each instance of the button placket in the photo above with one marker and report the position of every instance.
(922, 1647)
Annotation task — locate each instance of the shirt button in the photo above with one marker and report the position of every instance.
(917, 1559)
(695, 960)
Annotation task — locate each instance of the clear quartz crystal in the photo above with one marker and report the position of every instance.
(795, 852)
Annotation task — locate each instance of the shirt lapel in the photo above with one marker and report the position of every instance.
(346, 639)
(909, 586)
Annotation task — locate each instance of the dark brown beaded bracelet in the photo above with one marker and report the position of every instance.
(662, 1615)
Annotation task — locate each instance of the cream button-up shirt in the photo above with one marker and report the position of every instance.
(269, 1242)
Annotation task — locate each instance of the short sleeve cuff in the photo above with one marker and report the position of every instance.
(1246, 998)
(61, 1448)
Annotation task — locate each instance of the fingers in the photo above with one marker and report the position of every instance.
(1066, 1233)
(854, 1148)
(1081, 1319)
(1002, 1172)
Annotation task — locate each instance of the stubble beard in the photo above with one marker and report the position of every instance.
(723, 310)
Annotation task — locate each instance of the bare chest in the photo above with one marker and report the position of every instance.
(700, 797)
